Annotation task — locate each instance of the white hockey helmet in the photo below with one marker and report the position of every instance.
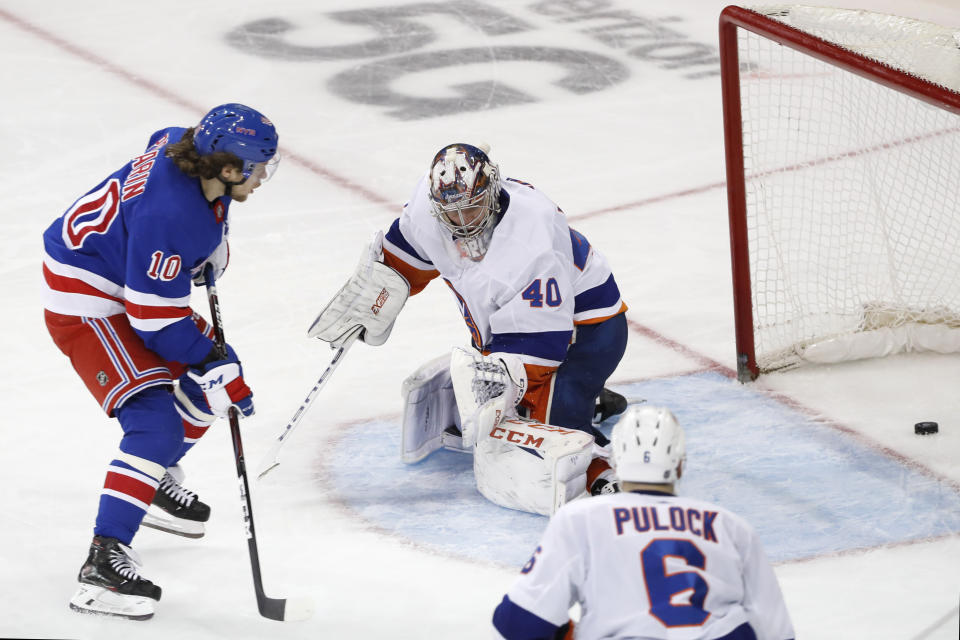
(648, 445)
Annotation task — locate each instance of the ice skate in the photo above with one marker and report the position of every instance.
(601, 478)
(110, 584)
(176, 509)
(610, 403)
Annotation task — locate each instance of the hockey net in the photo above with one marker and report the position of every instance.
(843, 164)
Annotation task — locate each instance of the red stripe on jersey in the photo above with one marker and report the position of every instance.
(113, 347)
(130, 486)
(192, 431)
(203, 325)
(146, 312)
(67, 284)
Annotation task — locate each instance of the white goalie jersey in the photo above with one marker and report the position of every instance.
(537, 280)
(646, 565)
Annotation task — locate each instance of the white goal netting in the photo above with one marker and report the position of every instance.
(853, 191)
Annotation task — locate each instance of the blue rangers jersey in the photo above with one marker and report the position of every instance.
(538, 279)
(130, 246)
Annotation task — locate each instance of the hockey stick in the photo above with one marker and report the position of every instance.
(273, 608)
(272, 460)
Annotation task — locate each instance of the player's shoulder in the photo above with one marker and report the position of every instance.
(729, 518)
(417, 214)
(419, 200)
(165, 136)
(586, 506)
(529, 199)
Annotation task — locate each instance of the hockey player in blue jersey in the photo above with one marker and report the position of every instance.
(118, 269)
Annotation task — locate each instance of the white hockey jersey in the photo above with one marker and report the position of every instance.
(537, 280)
(647, 565)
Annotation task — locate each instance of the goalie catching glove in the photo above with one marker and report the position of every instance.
(372, 298)
(485, 385)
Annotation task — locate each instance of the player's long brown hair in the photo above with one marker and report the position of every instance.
(188, 160)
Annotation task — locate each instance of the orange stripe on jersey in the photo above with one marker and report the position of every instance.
(539, 390)
(623, 309)
(417, 278)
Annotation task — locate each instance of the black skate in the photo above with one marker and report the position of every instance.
(175, 509)
(110, 584)
(610, 403)
(602, 486)
(601, 478)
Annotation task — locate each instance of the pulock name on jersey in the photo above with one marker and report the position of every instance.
(699, 523)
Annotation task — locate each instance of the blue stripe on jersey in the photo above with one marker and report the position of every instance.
(396, 237)
(743, 632)
(581, 248)
(549, 345)
(600, 297)
(516, 623)
(129, 467)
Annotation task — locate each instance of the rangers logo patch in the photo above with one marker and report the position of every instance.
(218, 211)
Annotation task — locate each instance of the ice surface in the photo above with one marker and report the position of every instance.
(860, 515)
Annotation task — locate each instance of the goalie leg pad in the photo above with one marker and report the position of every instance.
(530, 466)
(429, 409)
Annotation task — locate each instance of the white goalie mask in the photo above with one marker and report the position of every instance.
(648, 445)
(465, 196)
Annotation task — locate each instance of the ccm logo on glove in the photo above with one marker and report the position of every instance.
(222, 384)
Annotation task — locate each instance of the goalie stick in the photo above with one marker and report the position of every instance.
(272, 608)
(272, 460)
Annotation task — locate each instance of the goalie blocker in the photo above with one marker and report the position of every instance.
(518, 463)
(371, 298)
(365, 308)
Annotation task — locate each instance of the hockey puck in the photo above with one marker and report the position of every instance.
(925, 428)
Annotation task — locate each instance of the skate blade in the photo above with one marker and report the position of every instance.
(93, 600)
(159, 519)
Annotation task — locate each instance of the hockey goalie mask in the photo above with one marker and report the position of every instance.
(648, 445)
(465, 196)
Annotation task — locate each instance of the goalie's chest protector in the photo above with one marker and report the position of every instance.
(524, 284)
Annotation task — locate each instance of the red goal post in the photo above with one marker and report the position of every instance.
(842, 142)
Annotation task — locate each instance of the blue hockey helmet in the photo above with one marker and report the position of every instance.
(242, 131)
